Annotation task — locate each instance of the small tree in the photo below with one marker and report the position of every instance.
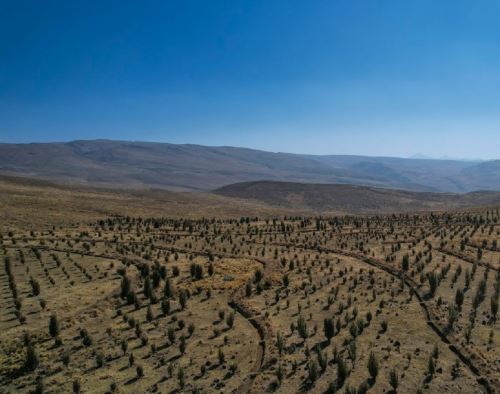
(351, 350)
(258, 276)
(31, 362)
(147, 287)
(279, 374)
(322, 360)
(328, 329)
(312, 371)
(230, 320)
(452, 316)
(99, 359)
(66, 358)
(182, 345)
(35, 286)
(405, 263)
(455, 369)
(435, 352)
(302, 328)
(431, 366)
(433, 283)
(183, 299)
(140, 371)
(459, 299)
(280, 343)
(332, 388)
(40, 386)
(494, 307)
(394, 379)
(341, 372)
(77, 387)
(149, 314)
(372, 366)
(125, 286)
(124, 346)
(53, 326)
(165, 307)
(221, 357)
(171, 335)
(181, 377)
(167, 290)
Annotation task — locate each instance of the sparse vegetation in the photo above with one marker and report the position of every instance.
(336, 303)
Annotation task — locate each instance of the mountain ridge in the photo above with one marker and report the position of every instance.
(193, 167)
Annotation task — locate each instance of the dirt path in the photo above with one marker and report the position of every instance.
(467, 259)
(236, 302)
(431, 321)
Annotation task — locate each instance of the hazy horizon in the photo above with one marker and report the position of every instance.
(415, 156)
(376, 79)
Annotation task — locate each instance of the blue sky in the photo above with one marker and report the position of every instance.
(355, 77)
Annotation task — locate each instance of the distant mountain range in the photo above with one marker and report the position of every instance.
(445, 157)
(125, 164)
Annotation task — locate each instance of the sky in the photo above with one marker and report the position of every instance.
(372, 77)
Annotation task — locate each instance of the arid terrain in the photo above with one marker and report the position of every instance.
(151, 295)
(249, 197)
(187, 167)
(341, 198)
(31, 202)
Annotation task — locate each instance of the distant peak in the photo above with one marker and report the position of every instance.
(420, 156)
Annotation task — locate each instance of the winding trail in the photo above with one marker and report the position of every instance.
(467, 259)
(266, 355)
(431, 321)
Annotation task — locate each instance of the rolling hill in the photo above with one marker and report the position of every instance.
(26, 202)
(327, 198)
(122, 164)
(29, 203)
